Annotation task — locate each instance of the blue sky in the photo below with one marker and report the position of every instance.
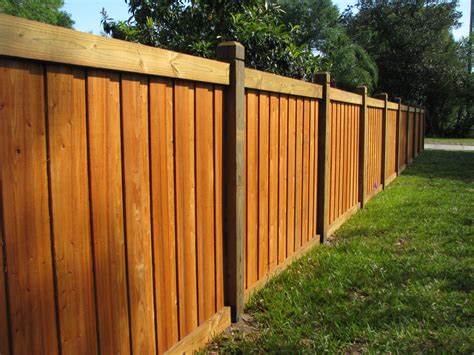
(86, 13)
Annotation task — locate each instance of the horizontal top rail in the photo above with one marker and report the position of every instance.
(404, 107)
(33, 40)
(411, 109)
(345, 96)
(375, 102)
(392, 105)
(256, 79)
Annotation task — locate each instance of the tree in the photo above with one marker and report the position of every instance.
(197, 28)
(47, 11)
(417, 57)
(320, 28)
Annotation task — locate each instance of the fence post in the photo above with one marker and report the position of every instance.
(399, 122)
(408, 136)
(384, 97)
(324, 146)
(416, 133)
(362, 90)
(234, 168)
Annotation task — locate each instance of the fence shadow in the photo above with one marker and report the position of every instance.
(457, 165)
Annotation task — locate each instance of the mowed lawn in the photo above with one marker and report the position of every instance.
(398, 277)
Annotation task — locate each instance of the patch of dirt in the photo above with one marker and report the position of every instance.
(246, 328)
(357, 347)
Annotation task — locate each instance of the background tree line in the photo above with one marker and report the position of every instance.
(403, 47)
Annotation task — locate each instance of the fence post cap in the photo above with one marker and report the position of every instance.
(230, 50)
(398, 99)
(322, 78)
(362, 90)
(382, 96)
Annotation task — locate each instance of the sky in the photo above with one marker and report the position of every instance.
(86, 13)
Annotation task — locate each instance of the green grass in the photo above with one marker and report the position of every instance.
(465, 141)
(398, 278)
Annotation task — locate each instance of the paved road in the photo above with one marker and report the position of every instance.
(454, 147)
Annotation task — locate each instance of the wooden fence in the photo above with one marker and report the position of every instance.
(144, 194)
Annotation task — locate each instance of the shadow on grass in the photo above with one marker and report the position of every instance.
(455, 165)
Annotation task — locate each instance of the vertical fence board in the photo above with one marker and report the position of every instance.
(70, 209)
(282, 178)
(305, 196)
(332, 162)
(218, 149)
(137, 211)
(163, 209)
(24, 214)
(299, 173)
(205, 201)
(252, 188)
(291, 176)
(105, 159)
(185, 206)
(312, 201)
(273, 184)
(263, 162)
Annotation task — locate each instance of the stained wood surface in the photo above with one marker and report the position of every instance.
(281, 180)
(344, 159)
(67, 136)
(411, 136)
(136, 173)
(33, 40)
(391, 145)
(106, 203)
(24, 214)
(372, 102)
(374, 154)
(163, 211)
(345, 96)
(259, 80)
(402, 158)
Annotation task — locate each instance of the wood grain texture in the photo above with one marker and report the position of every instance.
(185, 206)
(263, 174)
(273, 183)
(305, 172)
(70, 209)
(299, 174)
(402, 157)
(205, 201)
(136, 175)
(105, 170)
(163, 209)
(345, 96)
(24, 214)
(375, 103)
(218, 185)
(34, 40)
(282, 178)
(290, 247)
(255, 79)
(252, 189)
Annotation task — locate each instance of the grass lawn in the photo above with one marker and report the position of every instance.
(398, 277)
(465, 141)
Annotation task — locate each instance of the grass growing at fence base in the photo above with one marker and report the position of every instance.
(399, 276)
(465, 141)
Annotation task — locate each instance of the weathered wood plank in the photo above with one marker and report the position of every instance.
(273, 183)
(290, 247)
(345, 96)
(283, 178)
(299, 174)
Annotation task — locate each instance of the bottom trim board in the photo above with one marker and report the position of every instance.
(338, 222)
(373, 193)
(203, 334)
(389, 179)
(298, 254)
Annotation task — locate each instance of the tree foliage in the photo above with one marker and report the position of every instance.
(47, 11)
(197, 28)
(417, 56)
